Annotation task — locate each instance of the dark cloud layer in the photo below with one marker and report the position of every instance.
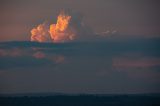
(30, 54)
(124, 66)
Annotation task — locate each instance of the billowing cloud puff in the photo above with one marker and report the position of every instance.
(40, 33)
(60, 32)
(69, 26)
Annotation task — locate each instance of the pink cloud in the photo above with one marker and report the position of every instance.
(15, 52)
(39, 55)
(125, 63)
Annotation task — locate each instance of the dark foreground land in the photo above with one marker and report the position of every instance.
(82, 100)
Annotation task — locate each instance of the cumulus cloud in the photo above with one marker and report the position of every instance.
(69, 26)
(40, 33)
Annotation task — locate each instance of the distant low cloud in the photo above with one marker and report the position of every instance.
(28, 58)
(125, 63)
(39, 55)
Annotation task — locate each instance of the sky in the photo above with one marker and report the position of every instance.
(127, 61)
(130, 18)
